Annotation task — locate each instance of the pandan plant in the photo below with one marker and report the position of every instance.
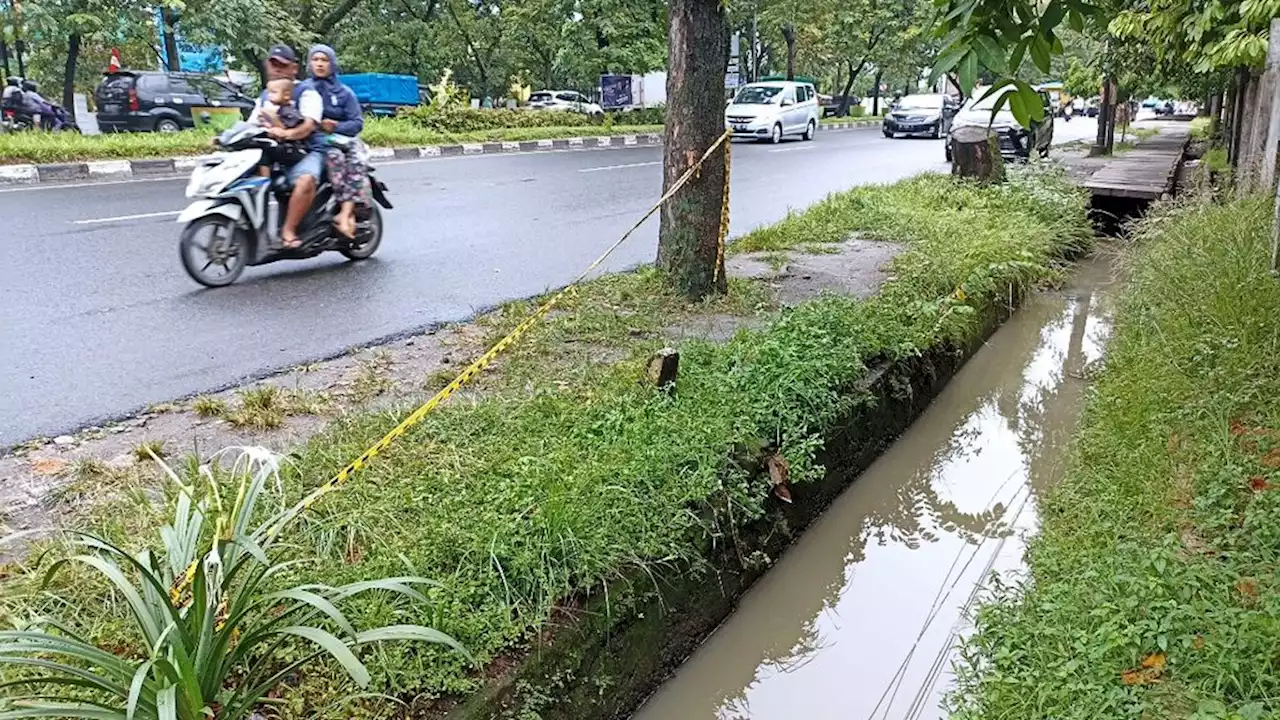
(207, 608)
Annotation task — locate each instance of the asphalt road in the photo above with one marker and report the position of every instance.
(100, 320)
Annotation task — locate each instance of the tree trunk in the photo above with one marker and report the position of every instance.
(1239, 117)
(975, 153)
(169, 20)
(875, 93)
(688, 239)
(1106, 110)
(1215, 114)
(69, 75)
(789, 34)
(4, 56)
(848, 88)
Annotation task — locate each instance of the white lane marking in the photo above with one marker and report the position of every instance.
(100, 183)
(119, 218)
(806, 146)
(619, 167)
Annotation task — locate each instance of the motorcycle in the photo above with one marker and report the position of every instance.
(231, 208)
(14, 119)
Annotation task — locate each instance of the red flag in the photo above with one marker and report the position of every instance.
(114, 65)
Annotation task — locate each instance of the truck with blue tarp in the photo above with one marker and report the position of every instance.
(384, 93)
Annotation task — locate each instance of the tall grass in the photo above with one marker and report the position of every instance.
(1161, 545)
(563, 476)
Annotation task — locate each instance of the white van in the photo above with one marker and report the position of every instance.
(772, 110)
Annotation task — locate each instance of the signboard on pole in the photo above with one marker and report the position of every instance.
(615, 92)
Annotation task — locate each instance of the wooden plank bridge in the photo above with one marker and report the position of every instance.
(1146, 172)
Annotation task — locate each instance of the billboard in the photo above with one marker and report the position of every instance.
(615, 91)
(191, 57)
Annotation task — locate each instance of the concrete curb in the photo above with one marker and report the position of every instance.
(117, 170)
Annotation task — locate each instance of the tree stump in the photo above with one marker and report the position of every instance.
(975, 153)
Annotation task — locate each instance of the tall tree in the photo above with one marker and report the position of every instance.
(688, 239)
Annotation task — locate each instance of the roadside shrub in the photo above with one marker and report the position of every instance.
(461, 119)
(857, 111)
(640, 116)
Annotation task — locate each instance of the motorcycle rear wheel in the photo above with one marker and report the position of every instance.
(225, 248)
(368, 239)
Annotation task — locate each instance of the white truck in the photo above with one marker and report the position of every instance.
(633, 92)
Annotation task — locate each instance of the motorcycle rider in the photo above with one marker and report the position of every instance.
(39, 108)
(303, 175)
(12, 98)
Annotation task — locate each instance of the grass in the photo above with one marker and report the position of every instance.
(1217, 161)
(207, 406)
(148, 450)
(1158, 553)
(265, 407)
(562, 472)
(1200, 128)
(37, 147)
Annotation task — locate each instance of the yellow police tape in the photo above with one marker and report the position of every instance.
(183, 582)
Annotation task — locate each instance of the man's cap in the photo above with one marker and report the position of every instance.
(283, 53)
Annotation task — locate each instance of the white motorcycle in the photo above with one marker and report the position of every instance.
(232, 224)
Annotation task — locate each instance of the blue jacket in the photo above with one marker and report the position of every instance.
(340, 102)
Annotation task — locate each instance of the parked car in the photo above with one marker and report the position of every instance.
(564, 101)
(925, 114)
(773, 110)
(831, 103)
(146, 100)
(1016, 141)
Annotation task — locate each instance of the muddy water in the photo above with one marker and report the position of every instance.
(858, 619)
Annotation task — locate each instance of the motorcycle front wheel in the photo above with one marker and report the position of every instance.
(213, 251)
(368, 237)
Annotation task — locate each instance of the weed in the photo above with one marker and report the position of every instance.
(1163, 538)
(373, 377)
(265, 407)
(207, 406)
(148, 450)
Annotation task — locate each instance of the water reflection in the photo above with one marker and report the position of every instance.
(856, 620)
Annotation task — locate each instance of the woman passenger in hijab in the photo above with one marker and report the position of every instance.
(342, 116)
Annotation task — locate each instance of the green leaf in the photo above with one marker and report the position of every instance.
(949, 58)
(136, 687)
(1019, 52)
(335, 647)
(68, 670)
(417, 633)
(81, 711)
(1076, 21)
(1051, 16)
(1033, 103)
(1040, 53)
(991, 54)
(1018, 106)
(968, 72)
(319, 603)
(167, 703)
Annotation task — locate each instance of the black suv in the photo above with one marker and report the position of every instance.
(145, 100)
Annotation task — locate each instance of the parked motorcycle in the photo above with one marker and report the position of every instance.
(228, 226)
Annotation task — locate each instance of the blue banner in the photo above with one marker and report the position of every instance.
(191, 58)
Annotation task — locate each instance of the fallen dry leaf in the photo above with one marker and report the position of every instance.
(48, 466)
(1258, 483)
(779, 476)
(1150, 671)
(1247, 587)
(1237, 428)
(1198, 643)
(1272, 458)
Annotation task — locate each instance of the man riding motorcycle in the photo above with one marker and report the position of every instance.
(38, 107)
(303, 175)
